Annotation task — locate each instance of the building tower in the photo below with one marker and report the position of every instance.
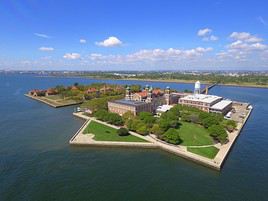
(197, 87)
(128, 95)
(146, 87)
(149, 95)
(167, 95)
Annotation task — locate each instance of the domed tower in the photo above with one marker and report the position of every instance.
(167, 95)
(197, 87)
(128, 95)
(146, 87)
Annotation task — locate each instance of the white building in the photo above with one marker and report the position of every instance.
(222, 107)
(200, 101)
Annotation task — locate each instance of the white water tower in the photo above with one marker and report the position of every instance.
(197, 87)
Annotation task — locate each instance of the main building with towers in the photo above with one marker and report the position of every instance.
(147, 100)
(152, 100)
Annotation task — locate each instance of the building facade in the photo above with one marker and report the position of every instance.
(200, 101)
(122, 106)
(146, 100)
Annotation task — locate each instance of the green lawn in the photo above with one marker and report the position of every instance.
(105, 133)
(208, 152)
(194, 135)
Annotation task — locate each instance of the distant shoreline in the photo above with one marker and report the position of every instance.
(171, 81)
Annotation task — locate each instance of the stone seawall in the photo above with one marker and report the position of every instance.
(80, 139)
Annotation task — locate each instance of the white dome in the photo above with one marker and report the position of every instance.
(197, 85)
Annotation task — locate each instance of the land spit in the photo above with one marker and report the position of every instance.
(52, 103)
(81, 139)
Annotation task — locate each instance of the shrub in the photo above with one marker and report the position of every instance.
(218, 133)
(157, 130)
(209, 121)
(142, 129)
(122, 132)
(172, 136)
(115, 119)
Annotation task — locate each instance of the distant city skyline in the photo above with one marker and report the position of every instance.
(133, 35)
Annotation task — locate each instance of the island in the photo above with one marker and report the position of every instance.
(192, 124)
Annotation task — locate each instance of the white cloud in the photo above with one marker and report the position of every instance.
(246, 37)
(204, 32)
(41, 35)
(210, 38)
(206, 35)
(72, 56)
(213, 38)
(152, 55)
(82, 41)
(46, 49)
(244, 47)
(110, 42)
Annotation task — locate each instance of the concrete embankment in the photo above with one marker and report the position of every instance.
(80, 139)
(225, 149)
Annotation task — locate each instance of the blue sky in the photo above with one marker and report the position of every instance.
(134, 35)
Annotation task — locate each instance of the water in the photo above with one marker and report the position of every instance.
(37, 163)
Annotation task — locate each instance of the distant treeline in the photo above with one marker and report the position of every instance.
(255, 79)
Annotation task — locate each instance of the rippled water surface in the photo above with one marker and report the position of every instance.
(37, 163)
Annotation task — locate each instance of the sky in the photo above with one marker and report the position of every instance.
(133, 35)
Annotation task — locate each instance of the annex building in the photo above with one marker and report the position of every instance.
(205, 102)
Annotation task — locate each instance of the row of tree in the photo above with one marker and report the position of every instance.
(166, 127)
(111, 118)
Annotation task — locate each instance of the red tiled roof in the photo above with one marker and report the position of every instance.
(91, 90)
(142, 93)
(74, 88)
(157, 92)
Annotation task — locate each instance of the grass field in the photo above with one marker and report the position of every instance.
(194, 135)
(57, 100)
(105, 133)
(208, 152)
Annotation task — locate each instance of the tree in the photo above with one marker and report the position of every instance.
(127, 116)
(101, 115)
(172, 136)
(122, 132)
(142, 129)
(157, 130)
(147, 118)
(135, 88)
(209, 121)
(115, 119)
(218, 133)
(230, 125)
